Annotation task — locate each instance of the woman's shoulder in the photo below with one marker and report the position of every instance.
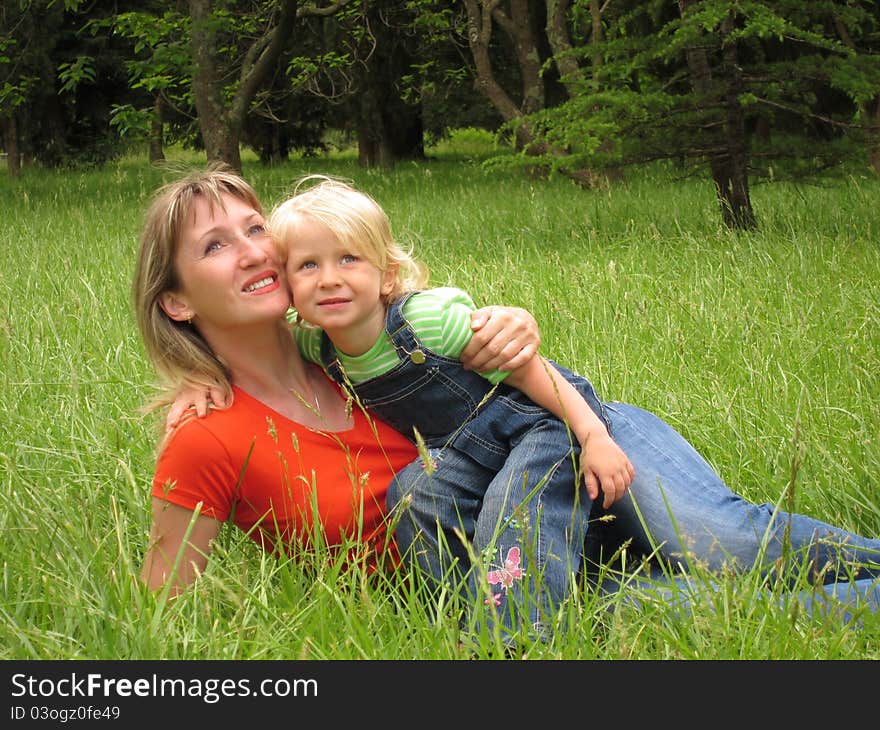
(220, 428)
(195, 436)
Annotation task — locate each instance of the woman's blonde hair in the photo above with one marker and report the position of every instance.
(177, 350)
(356, 220)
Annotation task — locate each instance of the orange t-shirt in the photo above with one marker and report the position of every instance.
(269, 475)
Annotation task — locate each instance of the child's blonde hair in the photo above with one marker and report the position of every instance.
(356, 220)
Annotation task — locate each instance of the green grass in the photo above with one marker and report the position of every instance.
(762, 348)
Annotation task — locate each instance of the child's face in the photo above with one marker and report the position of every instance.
(333, 286)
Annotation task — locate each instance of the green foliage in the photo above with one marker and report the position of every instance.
(84, 79)
(76, 72)
(131, 122)
(806, 68)
(302, 70)
(469, 143)
(58, 84)
(159, 68)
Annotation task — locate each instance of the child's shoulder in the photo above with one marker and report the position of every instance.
(442, 297)
(308, 341)
(445, 310)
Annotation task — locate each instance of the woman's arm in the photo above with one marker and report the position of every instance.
(180, 541)
(504, 338)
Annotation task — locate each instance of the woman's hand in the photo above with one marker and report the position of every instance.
(505, 338)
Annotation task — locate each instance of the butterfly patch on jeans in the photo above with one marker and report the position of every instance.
(506, 574)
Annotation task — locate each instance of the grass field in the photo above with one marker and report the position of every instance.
(762, 348)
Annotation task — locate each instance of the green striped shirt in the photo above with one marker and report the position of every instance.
(441, 318)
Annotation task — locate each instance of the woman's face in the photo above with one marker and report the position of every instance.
(227, 267)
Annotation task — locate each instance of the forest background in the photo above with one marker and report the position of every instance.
(743, 91)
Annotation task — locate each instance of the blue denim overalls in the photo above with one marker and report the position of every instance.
(497, 456)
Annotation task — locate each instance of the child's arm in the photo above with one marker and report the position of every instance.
(198, 398)
(504, 335)
(603, 462)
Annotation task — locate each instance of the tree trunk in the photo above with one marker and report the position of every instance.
(518, 25)
(10, 144)
(389, 129)
(736, 204)
(219, 134)
(373, 148)
(479, 38)
(157, 142)
(871, 112)
(222, 126)
(570, 73)
(728, 161)
(596, 38)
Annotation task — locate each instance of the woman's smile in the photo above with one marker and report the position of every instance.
(263, 283)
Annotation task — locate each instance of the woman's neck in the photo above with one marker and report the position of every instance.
(267, 365)
(257, 354)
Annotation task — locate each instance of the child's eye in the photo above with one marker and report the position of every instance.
(308, 265)
(349, 258)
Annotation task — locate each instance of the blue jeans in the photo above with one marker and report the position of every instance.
(678, 504)
(679, 511)
(525, 530)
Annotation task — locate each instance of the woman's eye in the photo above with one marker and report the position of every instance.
(257, 229)
(212, 246)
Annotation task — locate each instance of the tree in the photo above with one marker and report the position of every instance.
(366, 67)
(718, 88)
(856, 73)
(28, 33)
(57, 84)
(516, 22)
(538, 35)
(159, 70)
(221, 121)
(741, 87)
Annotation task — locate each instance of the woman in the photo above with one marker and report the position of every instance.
(288, 458)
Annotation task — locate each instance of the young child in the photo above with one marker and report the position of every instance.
(500, 442)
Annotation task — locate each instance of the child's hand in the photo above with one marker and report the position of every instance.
(603, 463)
(200, 399)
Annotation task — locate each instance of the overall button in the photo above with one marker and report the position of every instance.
(417, 356)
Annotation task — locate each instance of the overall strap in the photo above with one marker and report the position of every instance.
(401, 333)
(399, 330)
(330, 360)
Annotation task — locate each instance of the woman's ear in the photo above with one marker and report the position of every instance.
(175, 307)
